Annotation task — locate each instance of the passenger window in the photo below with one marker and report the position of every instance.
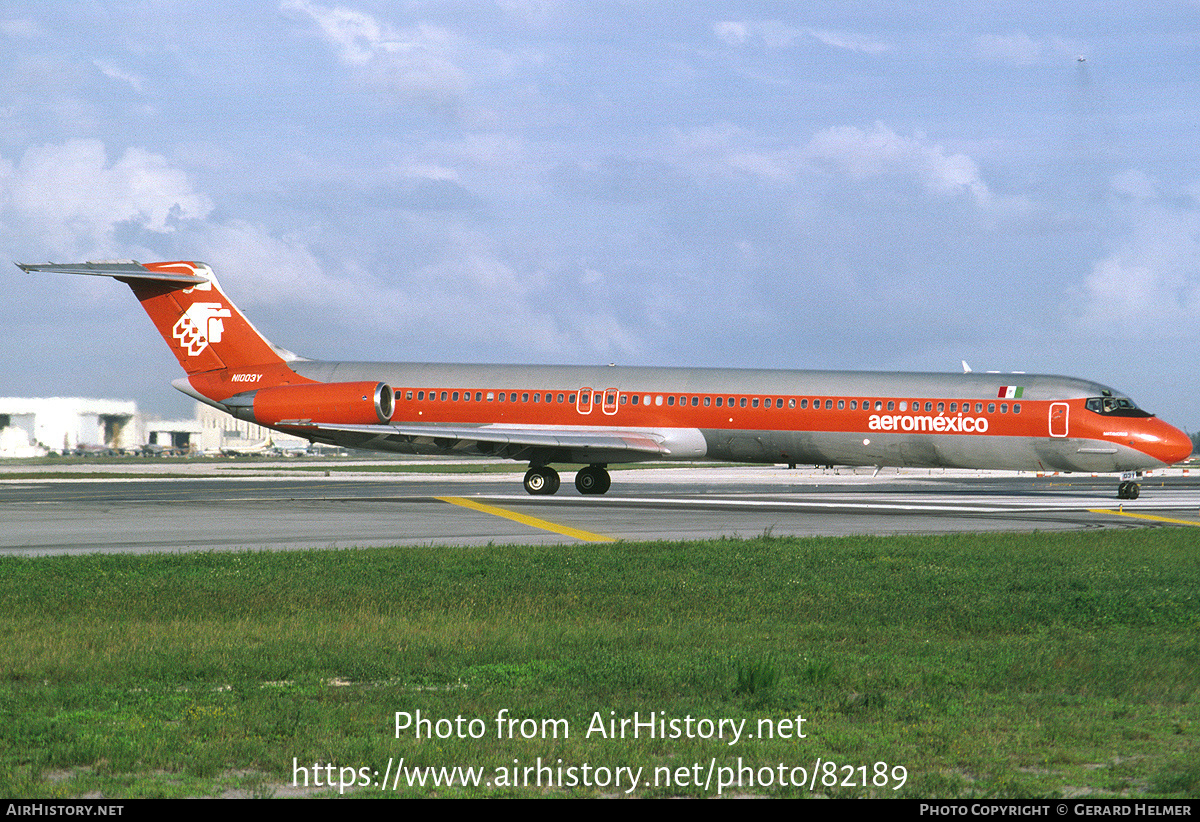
(903, 405)
(991, 408)
(670, 400)
(420, 395)
(454, 396)
(953, 407)
(444, 396)
(878, 405)
(941, 406)
(636, 397)
(658, 400)
(978, 408)
(695, 401)
(754, 402)
(804, 403)
(491, 396)
(1003, 408)
(720, 402)
(841, 405)
(478, 396)
(1016, 408)
(891, 405)
(828, 405)
(791, 403)
(707, 402)
(743, 402)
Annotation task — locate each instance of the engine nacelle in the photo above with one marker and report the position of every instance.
(331, 403)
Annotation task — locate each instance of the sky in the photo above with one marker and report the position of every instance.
(866, 185)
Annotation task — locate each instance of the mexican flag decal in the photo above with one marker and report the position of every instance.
(1010, 392)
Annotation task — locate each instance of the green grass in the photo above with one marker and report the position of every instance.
(984, 665)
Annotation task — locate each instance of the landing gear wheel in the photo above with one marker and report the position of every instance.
(1128, 490)
(542, 480)
(593, 480)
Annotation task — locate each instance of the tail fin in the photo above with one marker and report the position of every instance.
(204, 330)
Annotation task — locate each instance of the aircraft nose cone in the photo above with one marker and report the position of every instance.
(1172, 445)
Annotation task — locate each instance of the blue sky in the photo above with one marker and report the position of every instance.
(865, 186)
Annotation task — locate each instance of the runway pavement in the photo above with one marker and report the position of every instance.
(141, 507)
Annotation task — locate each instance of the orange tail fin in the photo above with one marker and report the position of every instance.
(210, 337)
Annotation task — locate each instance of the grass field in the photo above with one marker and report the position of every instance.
(957, 666)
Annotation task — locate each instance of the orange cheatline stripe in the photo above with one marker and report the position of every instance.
(1144, 516)
(532, 522)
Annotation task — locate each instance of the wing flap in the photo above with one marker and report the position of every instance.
(491, 439)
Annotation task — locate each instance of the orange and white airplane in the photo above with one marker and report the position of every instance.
(602, 415)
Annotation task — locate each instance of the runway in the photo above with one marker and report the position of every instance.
(207, 509)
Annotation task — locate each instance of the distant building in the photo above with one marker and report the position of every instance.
(37, 426)
(220, 431)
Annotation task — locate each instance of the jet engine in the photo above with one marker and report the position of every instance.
(331, 403)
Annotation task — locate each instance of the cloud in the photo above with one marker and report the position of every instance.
(881, 152)
(773, 34)
(1151, 284)
(73, 199)
(115, 72)
(860, 154)
(419, 59)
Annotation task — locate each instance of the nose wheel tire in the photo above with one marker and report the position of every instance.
(1128, 490)
(542, 480)
(593, 480)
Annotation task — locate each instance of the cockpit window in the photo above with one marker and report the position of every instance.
(1115, 407)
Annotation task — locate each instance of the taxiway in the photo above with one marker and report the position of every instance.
(202, 508)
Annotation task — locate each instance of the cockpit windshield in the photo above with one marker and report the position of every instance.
(1116, 407)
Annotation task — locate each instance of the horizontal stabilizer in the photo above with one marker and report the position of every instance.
(121, 269)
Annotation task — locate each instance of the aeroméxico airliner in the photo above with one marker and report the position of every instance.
(599, 415)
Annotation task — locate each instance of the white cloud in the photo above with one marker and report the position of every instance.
(417, 59)
(114, 72)
(24, 28)
(1151, 285)
(72, 198)
(773, 34)
(732, 150)
(849, 41)
(882, 151)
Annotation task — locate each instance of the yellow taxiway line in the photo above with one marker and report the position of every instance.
(1193, 523)
(532, 522)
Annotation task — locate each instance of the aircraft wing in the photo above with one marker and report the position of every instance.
(514, 442)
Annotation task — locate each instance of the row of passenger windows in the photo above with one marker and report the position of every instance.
(610, 399)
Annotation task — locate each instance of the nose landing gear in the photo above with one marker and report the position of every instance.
(1128, 490)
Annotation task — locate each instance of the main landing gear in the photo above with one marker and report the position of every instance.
(542, 480)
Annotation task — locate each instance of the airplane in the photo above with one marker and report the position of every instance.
(601, 415)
